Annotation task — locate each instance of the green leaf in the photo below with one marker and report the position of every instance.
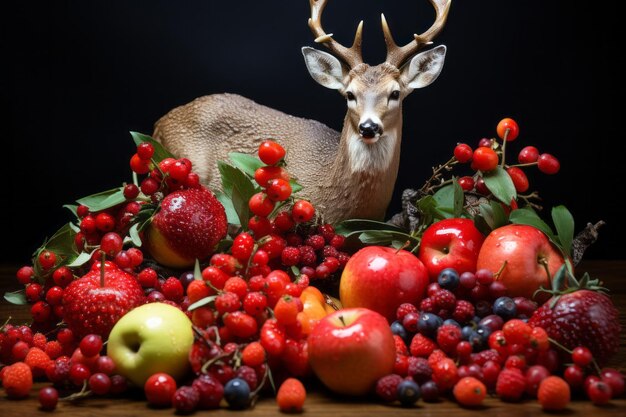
(73, 208)
(245, 162)
(445, 199)
(202, 302)
(240, 188)
(224, 245)
(295, 187)
(134, 235)
(17, 297)
(160, 153)
(103, 200)
(564, 223)
(387, 238)
(558, 280)
(529, 217)
(499, 216)
(501, 185)
(427, 206)
(197, 273)
(81, 259)
(231, 214)
(351, 226)
(459, 198)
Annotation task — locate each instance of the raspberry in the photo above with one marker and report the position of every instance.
(337, 241)
(511, 385)
(291, 396)
(211, 391)
(186, 399)
(387, 387)
(482, 357)
(419, 370)
(290, 256)
(401, 365)
(463, 311)
(517, 332)
(436, 356)
(445, 374)
(248, 374)
(329, 252)
(38, 361)
(253, 354)
(39, 340)
(327, 231)
(444, 300)
(401, 348)
(448, 336)
(17, 380)
(307, 255)
(554, 393)
(427, 305)
(173, 290)
(53, 349)
(421, 346)
(317, 242)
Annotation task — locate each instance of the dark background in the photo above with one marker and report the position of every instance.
(77, 76)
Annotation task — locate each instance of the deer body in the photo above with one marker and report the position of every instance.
(347, 174)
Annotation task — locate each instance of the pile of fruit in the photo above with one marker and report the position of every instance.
(206, 300)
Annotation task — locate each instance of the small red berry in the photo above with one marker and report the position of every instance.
(581, 356)
(48, 398)
(485, 159)
(548, 164)
(47, 259)
(160, 389)
(149, 186)
(25, 274)
(271, 152)
(528, 155)
(466, 183)
(510, 125)
(278, 189)
(111, 244)
(131, 191)
(138, 165)
(463, 153)
(519, 178)
(302, 211)
(599, 392)
(145, 150)
(261, 205)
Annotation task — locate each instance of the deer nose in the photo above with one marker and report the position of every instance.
(369, 129)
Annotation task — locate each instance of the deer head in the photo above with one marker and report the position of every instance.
(374, 94)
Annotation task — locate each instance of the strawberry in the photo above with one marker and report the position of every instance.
(95, 302)
(581, 316)
(291, 395)
(17, 380)
(422, 346)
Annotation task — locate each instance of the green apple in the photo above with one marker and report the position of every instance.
(152, 338)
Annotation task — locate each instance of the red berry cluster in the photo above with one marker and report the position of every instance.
(164, 177)
(68, 365)
(468, 337)
(490, 154)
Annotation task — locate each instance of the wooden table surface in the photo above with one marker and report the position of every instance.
(320, 402)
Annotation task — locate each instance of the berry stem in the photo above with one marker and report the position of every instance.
(529, 164)
(506, 134)
(84, 392)
(437, 173)
(560, 346)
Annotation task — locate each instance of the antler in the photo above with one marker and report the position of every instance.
(397, 55)
(351, 56)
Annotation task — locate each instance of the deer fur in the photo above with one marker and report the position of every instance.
(345, 174)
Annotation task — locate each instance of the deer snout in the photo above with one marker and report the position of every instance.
(369, 129)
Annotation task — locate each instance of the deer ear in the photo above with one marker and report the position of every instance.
(424, 68)
(324, 68)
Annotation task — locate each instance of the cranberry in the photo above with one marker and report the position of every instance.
(528, 155)
(548, 164)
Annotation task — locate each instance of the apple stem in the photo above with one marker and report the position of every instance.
(544, 263)
(342, 320)
(500, 271)
(406, 244)
(102, 260)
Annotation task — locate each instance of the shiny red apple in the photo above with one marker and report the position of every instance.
(528, 254)
(450, 243)
(350, 349)
(382, 278)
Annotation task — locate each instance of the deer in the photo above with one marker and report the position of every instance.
(347, 174)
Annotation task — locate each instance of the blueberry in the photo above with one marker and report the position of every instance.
(477, 341)
(398, 329)
(428, 324)
(466, 332)
(430, 392)
(452, 322)
(483, 308)
(484, 331)
(408, 392)
(448, 279)
(505, 308)
(237, 394)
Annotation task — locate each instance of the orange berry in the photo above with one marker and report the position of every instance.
(17, 380)
(554, 393)
(38, 361)
(469, 391)
(253, 355)
(197, 290)
(286, 310)
(291, 396)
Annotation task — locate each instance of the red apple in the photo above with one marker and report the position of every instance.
(350, 349)
(450, 243)
(187, 226)
(381, 278)
(527, 252)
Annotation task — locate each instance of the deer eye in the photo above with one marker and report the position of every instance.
(395, 94)
(350, 96)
